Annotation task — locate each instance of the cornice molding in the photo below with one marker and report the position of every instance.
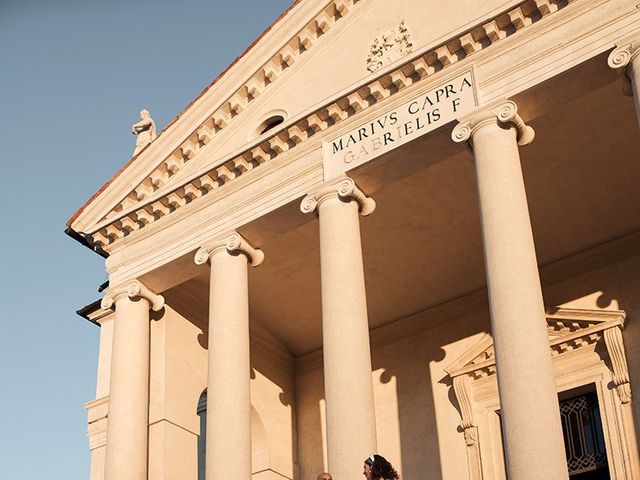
(133, 289)
(232, 243)
(345, 188)
(150, 206)
(503, 112)
(97, 412)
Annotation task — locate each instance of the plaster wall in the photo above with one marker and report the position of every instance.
(178, 378)
(178, 374)
(613, 286)
(97, 464)
(415, 419)
(273, 419)
(311, 438)
(98, 408)
(104, 356)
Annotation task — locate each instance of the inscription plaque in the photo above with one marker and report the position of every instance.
(395, 127)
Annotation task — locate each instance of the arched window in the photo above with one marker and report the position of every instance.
(270, 123)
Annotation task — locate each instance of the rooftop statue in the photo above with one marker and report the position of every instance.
(145, 130)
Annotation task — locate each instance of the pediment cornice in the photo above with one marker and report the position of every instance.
(148, 201)
(569, 329)
(274, 52)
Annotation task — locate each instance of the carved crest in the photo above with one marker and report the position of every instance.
(389, 47)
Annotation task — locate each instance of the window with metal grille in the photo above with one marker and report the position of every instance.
(584, 438)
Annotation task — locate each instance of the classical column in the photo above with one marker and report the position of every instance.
(228, 452)
(128, 417)
(530, 413)
(351, 430)
(626, 59)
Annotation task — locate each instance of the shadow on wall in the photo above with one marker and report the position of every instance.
(612, 286)
(259, 443)
(266, 444)
(409, 362)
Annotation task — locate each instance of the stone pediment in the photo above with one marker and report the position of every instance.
(568, 329)
(318, 65)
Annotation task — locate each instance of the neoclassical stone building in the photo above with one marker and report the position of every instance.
(403, 227)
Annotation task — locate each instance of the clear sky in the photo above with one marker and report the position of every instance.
(73, 76)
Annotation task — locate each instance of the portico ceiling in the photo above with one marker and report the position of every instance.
(422, 246)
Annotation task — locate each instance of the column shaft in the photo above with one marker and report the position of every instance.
(228, 393)
(528, 398)
(128, 420)
(351, 429)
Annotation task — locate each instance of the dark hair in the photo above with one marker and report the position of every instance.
(381, 468)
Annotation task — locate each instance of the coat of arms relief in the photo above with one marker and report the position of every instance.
(389, 47)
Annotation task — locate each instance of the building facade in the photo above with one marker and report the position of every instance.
(402, 227)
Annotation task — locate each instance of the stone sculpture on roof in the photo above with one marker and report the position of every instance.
(145, 130)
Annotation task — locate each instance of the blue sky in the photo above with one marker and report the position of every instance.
(73, 76)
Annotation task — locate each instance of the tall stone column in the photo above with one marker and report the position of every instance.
(626, 59)
(128, 417)
(228, 452)
(351, 429)
(530, 413)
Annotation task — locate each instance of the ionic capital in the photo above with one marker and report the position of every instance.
(343, 187)
(503, 112)
(133, 289)
(625, 51)
(232, 243)
(621, 57)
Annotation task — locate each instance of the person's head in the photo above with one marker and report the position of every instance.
(324, 476)
(144, 114)
(376, 467)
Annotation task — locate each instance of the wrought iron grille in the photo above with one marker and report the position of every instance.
(583, 435)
